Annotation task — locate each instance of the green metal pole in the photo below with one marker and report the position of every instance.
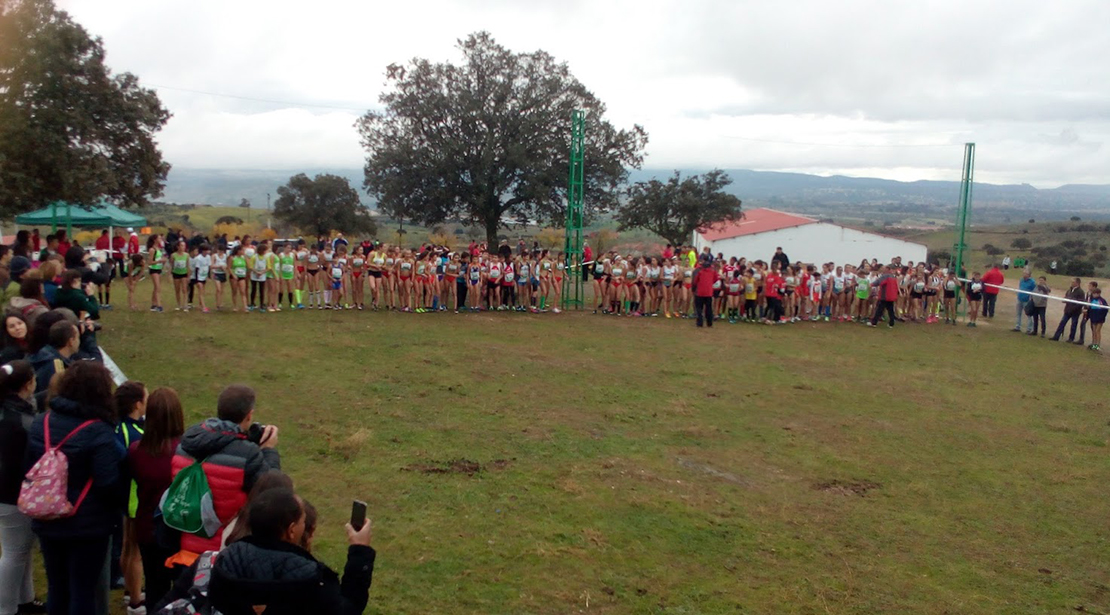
(572, 247)
(963, 215)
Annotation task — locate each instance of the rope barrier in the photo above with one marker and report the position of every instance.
(1030, 293)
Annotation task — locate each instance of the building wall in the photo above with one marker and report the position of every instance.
(818, 242)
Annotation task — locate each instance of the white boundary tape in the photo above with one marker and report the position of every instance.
(1030, 293)
(117, 373)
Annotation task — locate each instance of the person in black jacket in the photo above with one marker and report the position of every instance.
(15, 338)
(75, 549)
(1072, 311)
(270, 568)
(17, 589)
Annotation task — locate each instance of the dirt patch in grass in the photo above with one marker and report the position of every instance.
(843, 487)
(456, 466)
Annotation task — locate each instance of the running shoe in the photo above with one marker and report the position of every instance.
(205, 310)
(153, 308)
(300, 306)
(556, 310)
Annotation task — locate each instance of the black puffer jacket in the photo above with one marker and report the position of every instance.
(288, 580)
(16, 415)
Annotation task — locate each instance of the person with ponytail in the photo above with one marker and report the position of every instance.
(150, 465)
(17, 589)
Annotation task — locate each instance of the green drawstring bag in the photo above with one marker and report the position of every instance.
(187, 505)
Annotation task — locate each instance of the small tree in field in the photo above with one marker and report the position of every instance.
(676, 208)
(1021, 243)
(321, 205)
(604, 239)
(551, 238)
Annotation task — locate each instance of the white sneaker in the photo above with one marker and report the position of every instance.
(141, 610)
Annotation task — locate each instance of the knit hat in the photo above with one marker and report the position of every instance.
(19, 266)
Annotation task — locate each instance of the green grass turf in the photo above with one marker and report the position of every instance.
(644, 466)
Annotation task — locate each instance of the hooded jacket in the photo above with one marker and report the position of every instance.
(231, 464)
(92, 453)
(45, 363)
(288, 580)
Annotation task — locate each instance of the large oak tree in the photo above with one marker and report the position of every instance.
(487, 141)
(321, 205)
(70, 129)
(674, 209)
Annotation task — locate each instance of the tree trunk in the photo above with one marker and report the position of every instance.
(493, 223)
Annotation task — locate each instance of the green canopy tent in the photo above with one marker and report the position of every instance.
(103, 215)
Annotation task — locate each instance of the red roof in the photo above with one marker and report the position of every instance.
(754, 221)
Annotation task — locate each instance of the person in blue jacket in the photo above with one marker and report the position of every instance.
(75, 549)
(1028, 285)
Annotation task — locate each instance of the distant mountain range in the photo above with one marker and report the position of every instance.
(879, 200)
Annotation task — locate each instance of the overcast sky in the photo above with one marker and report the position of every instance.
(863, 88)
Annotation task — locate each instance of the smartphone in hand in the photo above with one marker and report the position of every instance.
(358, 514)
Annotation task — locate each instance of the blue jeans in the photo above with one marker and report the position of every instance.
(1021, 313)
(16, 539)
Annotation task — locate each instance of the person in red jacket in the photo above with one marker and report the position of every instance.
(704, 279)
(772, 291)
(990, 293)
(887, 285)
(232, 459)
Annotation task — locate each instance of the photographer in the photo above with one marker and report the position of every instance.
(273, 568)
(235, 451)
(82, 301)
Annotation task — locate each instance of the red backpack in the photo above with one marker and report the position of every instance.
(43, 495)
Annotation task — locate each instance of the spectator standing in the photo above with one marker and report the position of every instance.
(62, 343)
(130, 402)
(63, 242)
(704, 278)
(150, 464)
(1026, 285)
(232, 462)
(75, 548)
(1092, 286)
(781, 258)
(992, 279)
(272, 569)
(1040, 305)
(17, 412)
(1072, 311)
(587, 260)
(16, 337)
(82, 301)
(1006, 263)
(36, 240)
(1097, 312)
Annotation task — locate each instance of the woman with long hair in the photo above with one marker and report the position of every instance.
(74, 548)
(17, 412)
(155, 250)
(15, 337)
(601, 284)
(150, 461)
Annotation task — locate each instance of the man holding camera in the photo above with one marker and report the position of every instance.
(234, 451)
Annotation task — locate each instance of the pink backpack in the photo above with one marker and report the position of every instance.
(43, 495)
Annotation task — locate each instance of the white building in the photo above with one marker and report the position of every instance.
(803, 239)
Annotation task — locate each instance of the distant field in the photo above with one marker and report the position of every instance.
(574, 463)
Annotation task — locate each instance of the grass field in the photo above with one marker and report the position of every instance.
(554, 464)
